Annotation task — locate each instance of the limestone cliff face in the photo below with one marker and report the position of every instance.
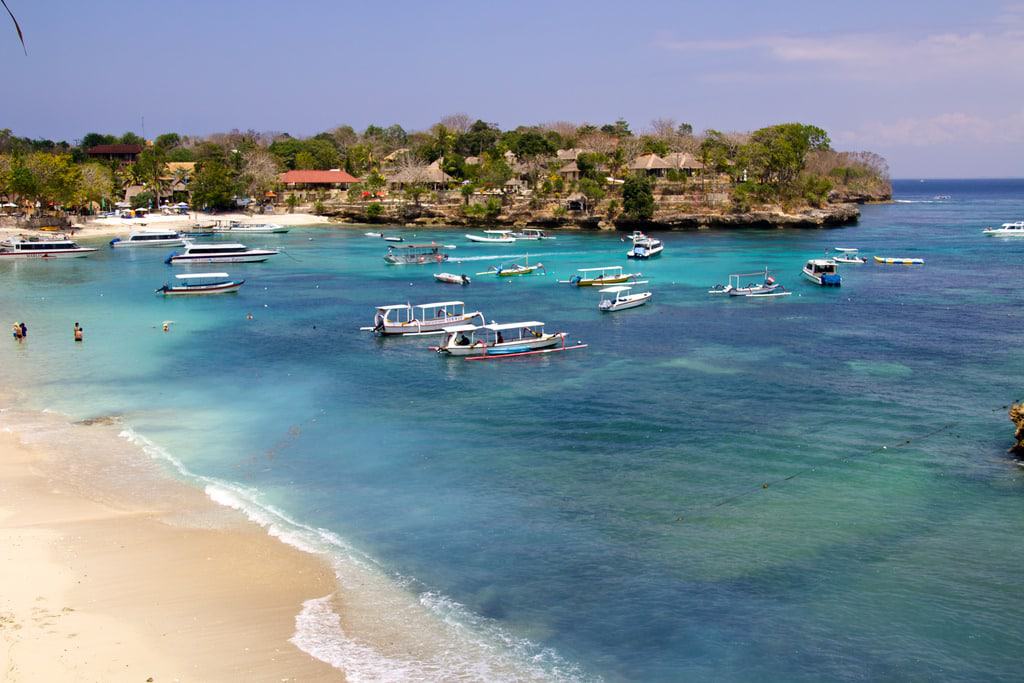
(1017, 417)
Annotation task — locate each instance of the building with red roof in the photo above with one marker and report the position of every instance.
(309, 180)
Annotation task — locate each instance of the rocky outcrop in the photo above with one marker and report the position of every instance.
(1017, 417)
(831, 215)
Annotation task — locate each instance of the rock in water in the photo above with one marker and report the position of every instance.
(1017, 417)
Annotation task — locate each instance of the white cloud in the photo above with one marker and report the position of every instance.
(940, 129)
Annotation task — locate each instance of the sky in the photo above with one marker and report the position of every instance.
(935, 87)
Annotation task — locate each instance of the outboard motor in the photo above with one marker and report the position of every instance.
(115, 241)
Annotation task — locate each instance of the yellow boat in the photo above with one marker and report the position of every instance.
(598, 277)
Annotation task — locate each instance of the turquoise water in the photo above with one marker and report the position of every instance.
(600, 513)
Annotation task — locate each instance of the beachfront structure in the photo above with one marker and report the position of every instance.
(650, 164)
(117, 152)
(432, 177)
(335, 179)
(685, 162)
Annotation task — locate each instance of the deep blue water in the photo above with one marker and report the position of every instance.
(605, 507)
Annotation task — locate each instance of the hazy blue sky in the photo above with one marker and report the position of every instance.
(934, 86)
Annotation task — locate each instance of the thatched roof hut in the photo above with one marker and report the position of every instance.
(683, 161)
(432, 176)
(651, 164)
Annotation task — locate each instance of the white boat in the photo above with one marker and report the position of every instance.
(598, 277)
(765, 287)
(899, 261)
(622, 299)
(493, 237)
(373, 234)
(235, 226)
(498, 339)
(532, 234)
(432, 318)
(33, 247)
(219, 253)
(822, 272)
(394, 239)
(417, 254)
(1015, 229)
(849, 255)
(452, 278)
(644, 247)
(201, 283)
(149, 238)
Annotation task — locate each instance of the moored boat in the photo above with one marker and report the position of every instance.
(1015, 229)
(532, 234)
(597, 277)
(822, 272)
(899, 261)
(201, 283)
(514, 269)
(416, 254)
(219, 253)
(644, 247)
(432, 318)
(149, 238)
(622, 299)
(452, 278)
(33, 247)
(493, 237)
(236, 226)
(498, 339)
(848, 255)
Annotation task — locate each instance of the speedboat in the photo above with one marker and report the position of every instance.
(33, 247)
(149, 238)
(406, 319)
(1015, 229)
(417, 254)
(532, 234)
(848, 255)
(899, 261)
(498, 339)
(598, 277)
(493, 237)
(201, 283)
(823, 272)
(622, 299)
(219, 253)
(644, 247)
(235, 226)
(452, 278)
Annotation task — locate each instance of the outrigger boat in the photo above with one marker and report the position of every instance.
(417, 254)
(514, 269)
(493, 237)
(1015, 229)
(897, 261)
(823, 272)
(766, 288)
(502, 340)
(622, 299)
(33, 247)
(202, 283)
(644, 247)
(848, 255)
(532, 234)
(452, 278)
(598, 277)
(406, 319)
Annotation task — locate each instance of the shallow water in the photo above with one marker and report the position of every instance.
(598, 513)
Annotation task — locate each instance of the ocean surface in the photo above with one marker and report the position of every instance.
(802, 488)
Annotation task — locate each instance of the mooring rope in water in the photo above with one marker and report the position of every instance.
(841, 459)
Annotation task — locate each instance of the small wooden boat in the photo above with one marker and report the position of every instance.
(899, 261)
(394, 239)
(411, 254)
(849, 255)
(767, 285)
(452, 278)
(598, 277)
(201, 283)
(493, 237)
(514, 269)
(822, 272)
(622, 299)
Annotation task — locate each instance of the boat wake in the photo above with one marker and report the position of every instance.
(509, 257)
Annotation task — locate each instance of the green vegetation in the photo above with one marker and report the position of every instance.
(638, 198)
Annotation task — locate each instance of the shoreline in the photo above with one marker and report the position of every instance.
(160, 582)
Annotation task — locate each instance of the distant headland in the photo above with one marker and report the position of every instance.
(460, 171)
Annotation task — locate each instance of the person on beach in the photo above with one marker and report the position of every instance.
(17, 332)
(24, 330)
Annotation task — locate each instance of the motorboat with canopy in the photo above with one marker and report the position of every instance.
(506, 340)
(822, 272)
(417, 254)
(493, 237)
(767, 286)
(33, 247)
(848, 255)
(421, 319)
(618, 298)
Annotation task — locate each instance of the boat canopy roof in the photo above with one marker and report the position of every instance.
(199, 276)
(616, 289)
(821, 262)
(847, 250)
(498, 327)
(498, 232)
(441, 304)
(215, 245)
(460, 328)
(154, 232)
(432, 245)
(594, 270)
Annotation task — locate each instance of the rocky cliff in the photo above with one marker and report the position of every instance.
(1017, 417)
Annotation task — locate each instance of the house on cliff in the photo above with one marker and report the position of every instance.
(651, 165)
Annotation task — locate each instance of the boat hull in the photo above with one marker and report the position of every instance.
(491, 240)
(820, 280)
(47, 255)
(424, 326)
(239, 258)
(506, 348)
(633, 301)
(600, 282)
(121, 244)
(220, 288)
(895, 261)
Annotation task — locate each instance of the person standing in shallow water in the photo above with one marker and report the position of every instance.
(24, 330)
(16, 330)
(78, 332)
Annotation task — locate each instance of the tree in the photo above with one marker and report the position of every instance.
(716, 150)
(97, 184)
(591, 189)
(93, 139)
(150, 167)
(44, 178)
(259, 172)
(131, 138)
(619, 129)
(213, 186)
(414, 191)
(777, 154)
(590, 165)
(481, 137)
(494, 171)
(638, 198)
